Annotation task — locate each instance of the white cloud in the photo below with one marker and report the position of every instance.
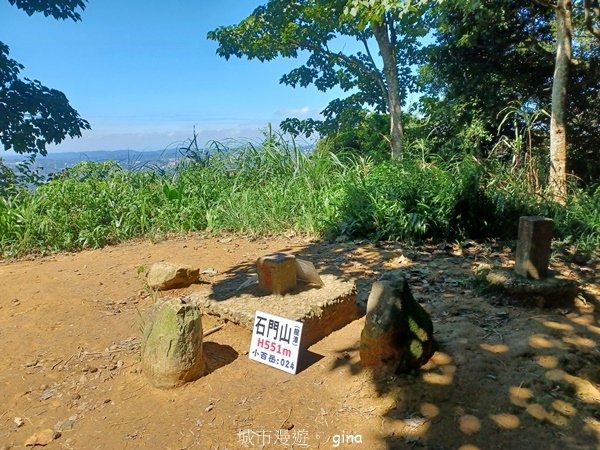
(287, 112)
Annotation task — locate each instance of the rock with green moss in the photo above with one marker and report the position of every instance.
(398, 332)
(172, 343)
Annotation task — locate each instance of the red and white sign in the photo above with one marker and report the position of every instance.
(276, 341)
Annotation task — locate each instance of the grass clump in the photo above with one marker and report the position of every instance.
(273, 187)
(252, 189)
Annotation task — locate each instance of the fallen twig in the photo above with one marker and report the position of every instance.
(56, 364)
(117, 350)
(131, 421)
(68, 360)
(213, 330)
(286, 419)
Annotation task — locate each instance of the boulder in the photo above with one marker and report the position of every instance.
(172, 343)
(398, 332)
(165, 275)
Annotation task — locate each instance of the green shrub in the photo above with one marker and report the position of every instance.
(399, 200)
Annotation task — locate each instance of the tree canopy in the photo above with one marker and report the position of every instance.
(497, 59)
(489, 59)
(62, 9)
(31, 114)
(379, 80)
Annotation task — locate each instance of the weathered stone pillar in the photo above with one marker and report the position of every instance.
(172, 343)
(398, 332)
(533, 246)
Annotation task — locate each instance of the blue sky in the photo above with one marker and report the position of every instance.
(143, 73)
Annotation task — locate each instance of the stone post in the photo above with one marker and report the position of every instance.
(533, 246)
(398, 332)
(172, 343)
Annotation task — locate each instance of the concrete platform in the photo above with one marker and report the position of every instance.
(321, 310)
(554, 291)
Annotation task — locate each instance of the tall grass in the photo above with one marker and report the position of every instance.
(273, 186)
(253, 189)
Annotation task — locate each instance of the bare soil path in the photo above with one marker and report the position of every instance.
(506, 376)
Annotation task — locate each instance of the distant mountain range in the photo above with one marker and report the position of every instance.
(128, 159)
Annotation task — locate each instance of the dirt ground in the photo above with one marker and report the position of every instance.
(506, 376)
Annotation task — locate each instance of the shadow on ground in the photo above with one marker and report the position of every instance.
(217, 356)
(506, 375)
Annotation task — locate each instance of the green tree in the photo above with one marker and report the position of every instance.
(291, 29)
(501, 54)
(564, 10)
(482, 60)
(31, 114)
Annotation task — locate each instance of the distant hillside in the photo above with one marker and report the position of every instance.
(128, 159)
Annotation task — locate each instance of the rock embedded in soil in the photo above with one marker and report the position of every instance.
(42, 438)
(65, 425)
(398, 332)
(172, 343)
(166, 275)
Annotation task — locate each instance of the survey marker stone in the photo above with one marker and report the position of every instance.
(398, 332)
(533, 246)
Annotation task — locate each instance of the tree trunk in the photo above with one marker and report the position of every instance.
(558, 126)
(390, 72)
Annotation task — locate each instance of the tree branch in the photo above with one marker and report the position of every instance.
(591, 9)
(350, 60)
(380, 81)
(546, 3)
